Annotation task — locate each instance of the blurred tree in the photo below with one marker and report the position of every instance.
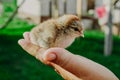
(108, 36)
(15, 2)
(1, 8)
(12, 16)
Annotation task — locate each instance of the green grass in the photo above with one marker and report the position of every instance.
(15, 63)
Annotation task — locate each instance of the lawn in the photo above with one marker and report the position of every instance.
(15, 63)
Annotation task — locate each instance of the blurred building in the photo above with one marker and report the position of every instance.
(40, 10)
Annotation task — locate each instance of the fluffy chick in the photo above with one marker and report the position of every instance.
(60, 32)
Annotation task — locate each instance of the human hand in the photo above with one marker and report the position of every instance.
(79, 66)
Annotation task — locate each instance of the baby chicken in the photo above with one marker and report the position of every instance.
(60, 32)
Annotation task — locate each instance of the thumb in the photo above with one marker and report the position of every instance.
(59, 56)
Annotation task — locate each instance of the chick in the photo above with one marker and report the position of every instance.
(60, 32)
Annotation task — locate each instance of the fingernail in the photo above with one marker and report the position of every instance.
(21, 42)
(50, 57)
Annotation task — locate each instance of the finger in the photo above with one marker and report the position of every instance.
(29, 47)
(26, 36)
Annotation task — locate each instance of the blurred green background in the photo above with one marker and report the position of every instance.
(16, 64)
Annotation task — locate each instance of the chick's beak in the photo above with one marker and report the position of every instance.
(82, 34)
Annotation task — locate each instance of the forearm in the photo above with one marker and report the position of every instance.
(89, 70)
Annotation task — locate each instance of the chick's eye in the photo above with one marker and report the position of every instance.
(76, 29)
